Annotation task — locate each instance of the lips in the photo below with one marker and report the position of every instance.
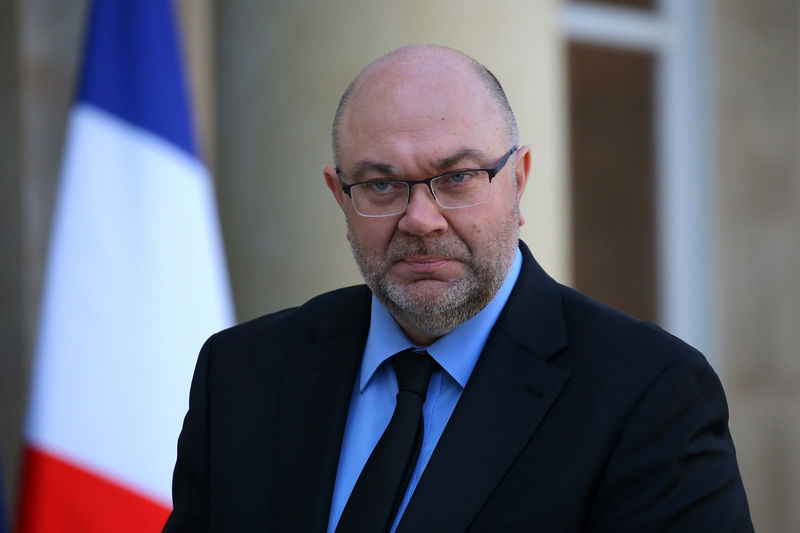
(426, 259)
(424, 264)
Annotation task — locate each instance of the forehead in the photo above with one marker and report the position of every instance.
(419, 110)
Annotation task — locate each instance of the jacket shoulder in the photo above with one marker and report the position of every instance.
(319, 317)
(613, 336)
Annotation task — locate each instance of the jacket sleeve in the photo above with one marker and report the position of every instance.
(674, 465)
(190, 478)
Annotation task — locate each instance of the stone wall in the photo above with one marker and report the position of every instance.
(758, 269)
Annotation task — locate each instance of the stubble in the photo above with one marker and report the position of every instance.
(437, 311)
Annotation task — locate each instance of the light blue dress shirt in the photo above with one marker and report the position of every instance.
(374, 392)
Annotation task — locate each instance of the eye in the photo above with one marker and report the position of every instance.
(382, 186)
(458, 179)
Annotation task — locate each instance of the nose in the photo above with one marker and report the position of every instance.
(423, 215)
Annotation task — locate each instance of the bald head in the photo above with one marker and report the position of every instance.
(424, 60)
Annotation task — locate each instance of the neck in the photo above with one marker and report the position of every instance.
(419, 338)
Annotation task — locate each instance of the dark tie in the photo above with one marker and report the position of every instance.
(381, 485)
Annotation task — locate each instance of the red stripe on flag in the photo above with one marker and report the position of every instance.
(58, 497)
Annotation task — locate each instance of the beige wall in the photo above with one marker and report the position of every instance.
(758, 93)
(281, 68)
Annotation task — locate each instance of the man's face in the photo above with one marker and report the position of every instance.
(433, 268)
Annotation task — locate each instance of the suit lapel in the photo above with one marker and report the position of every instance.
(318, 378)
(510, 391)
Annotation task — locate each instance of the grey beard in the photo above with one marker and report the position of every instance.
(462, 300)
(465, 299)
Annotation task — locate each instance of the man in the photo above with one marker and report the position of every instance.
(541, 410)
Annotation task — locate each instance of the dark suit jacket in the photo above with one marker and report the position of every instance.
(576, 418)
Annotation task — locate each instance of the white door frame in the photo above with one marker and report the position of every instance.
(677, 33)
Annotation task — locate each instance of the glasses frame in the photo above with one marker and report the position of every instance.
(492, 172)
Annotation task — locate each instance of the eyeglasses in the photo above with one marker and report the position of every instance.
(452, 190)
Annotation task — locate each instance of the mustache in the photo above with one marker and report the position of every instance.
(447, 248)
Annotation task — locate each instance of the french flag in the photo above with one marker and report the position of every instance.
(135, 282)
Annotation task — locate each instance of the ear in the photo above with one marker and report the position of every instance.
(522, 170)
(332, 181)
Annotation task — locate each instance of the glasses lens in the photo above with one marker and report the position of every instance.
(461, 189)
(380, 198)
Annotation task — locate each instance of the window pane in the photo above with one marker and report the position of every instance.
(613, 178)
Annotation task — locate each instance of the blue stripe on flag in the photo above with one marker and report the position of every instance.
(133, 68)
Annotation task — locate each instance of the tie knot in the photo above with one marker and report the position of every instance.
(413, 370)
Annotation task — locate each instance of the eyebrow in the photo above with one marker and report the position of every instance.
(461, 155)
(366, 166)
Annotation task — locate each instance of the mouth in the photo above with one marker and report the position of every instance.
(423, 265)
(433, 260)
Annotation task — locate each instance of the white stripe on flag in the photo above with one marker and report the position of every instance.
(136, 281)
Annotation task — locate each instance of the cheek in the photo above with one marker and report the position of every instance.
(372, 233)
(472, 232)
(480, 226)
(469, 227)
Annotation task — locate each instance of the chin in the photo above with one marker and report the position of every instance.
(429, 295)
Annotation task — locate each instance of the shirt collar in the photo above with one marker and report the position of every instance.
(456, 352)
